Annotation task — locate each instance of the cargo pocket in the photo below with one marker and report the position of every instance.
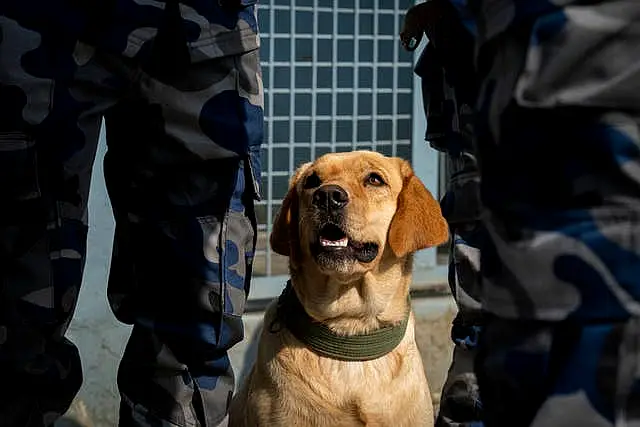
(461, 203)
(236, 274)
(239, 250)
(238, 240)
(469, 238)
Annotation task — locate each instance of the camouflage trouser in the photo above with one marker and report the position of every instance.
(182, 172)
(559, 151)
(450, 117)
(460, 401)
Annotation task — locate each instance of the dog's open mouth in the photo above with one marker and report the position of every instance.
(333, 241)
(331, 236)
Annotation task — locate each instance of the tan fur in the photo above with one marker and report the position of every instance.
(290, 385)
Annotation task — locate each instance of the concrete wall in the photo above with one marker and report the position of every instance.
(101, 338)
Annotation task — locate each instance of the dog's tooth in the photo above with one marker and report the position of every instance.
(325, 242)
(342, 243)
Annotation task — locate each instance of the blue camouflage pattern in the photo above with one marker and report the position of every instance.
(445, 67)
(558, 144)
(460, 402)
(179, 87)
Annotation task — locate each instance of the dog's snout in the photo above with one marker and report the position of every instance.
(331, 197)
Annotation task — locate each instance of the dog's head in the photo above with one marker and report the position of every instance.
(346, 211)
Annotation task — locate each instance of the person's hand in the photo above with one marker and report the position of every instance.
(418, 20)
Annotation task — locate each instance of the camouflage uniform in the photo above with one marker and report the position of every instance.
(449, 92)
(558, 143)
(179, 87)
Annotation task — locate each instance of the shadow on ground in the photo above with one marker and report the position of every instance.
(250, 355)
(68, 422)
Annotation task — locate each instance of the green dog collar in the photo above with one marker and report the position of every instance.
(325, 342)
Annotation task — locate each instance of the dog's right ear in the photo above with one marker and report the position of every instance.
(285, 226)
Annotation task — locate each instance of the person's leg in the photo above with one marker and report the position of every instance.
(182, 172)
(449, 91)
(48, 136)
(460, 400)
(460, 403)
(556, 374)
(559, 151)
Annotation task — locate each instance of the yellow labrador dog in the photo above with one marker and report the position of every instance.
(338, 348)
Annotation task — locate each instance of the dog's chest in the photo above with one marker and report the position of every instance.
(355, 400)
(298, 385)
(346, 390)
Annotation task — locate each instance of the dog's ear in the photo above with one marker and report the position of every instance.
(285, 226)
(418, 222)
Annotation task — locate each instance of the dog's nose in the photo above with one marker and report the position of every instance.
(331, 197)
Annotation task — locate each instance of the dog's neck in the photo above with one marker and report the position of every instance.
(369, 302)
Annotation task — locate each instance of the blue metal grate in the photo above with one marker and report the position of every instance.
(336, 79)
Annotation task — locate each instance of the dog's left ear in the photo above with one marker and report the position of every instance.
(285, 232)
(418, 222)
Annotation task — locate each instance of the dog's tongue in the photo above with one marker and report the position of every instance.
(342, 243)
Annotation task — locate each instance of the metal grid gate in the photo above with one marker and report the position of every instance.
(336, 79)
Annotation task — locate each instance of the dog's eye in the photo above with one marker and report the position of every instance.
(375, 180)
(312, 181)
